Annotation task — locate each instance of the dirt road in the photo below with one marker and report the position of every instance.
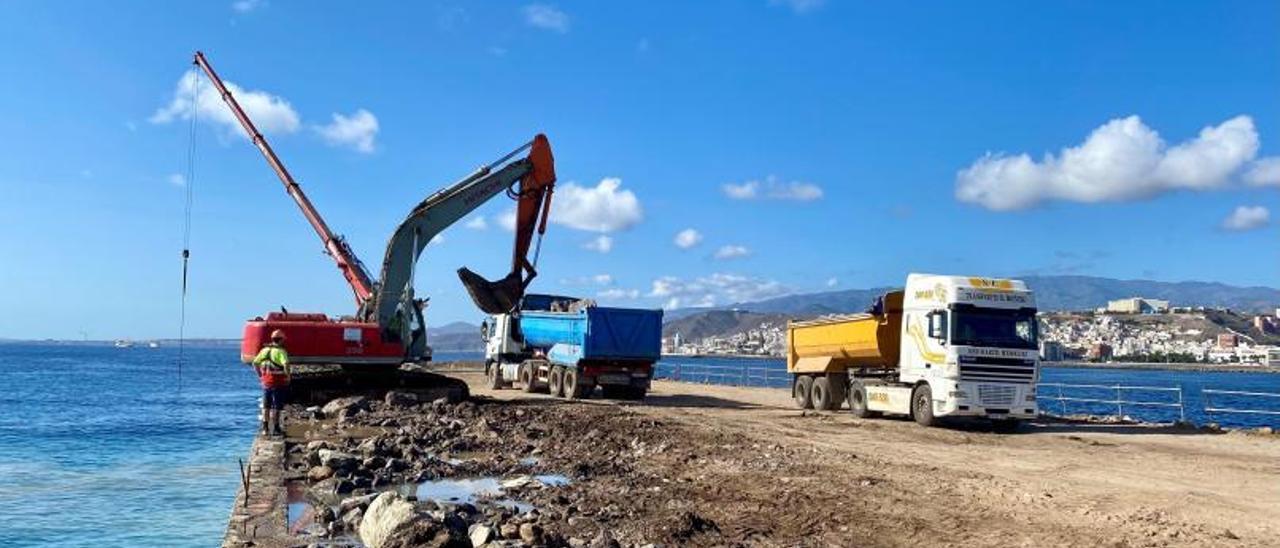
(721, 465)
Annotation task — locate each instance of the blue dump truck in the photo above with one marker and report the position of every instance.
(569, 346)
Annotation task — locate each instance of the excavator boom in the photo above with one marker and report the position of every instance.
(334, 245)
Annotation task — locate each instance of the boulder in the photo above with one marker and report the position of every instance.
(318, 473)
(400, 398)
(345, 406)
(338, 460)
(480, 534)
(356, 502)
(531, 533)
(604, 540)
(510, 531)
(388, 512)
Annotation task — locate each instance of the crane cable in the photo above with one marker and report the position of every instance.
(188, 183)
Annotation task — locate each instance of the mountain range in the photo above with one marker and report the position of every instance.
(1053, 293)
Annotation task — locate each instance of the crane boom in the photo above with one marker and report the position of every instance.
(351, 267)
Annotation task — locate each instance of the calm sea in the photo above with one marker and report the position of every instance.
(103, 446)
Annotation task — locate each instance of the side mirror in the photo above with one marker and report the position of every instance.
(484, 329)
(938, 325)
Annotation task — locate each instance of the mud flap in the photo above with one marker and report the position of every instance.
(498, 297)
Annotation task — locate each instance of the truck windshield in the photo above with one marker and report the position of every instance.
(994, 328)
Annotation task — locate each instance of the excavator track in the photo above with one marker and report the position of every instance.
(318, 384)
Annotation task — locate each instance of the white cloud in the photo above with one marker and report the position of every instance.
(799, 6)
(507, 219)
(271, 113)
(1264, 172)
(1247, 218)
(710, 290)
(436, 240)
(176, 179)
(246, 6)
(547, 17)
(832, 282)
(727, 252)
(1121, 160)
(476, 223)
(617, 293)
(602, 208)
(687, 238)
(597, 279)
(600, 244)
(356, 131)
(774, 189)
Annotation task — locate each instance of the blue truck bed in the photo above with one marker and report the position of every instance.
(595, 333)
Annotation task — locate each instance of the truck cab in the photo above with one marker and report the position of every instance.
(972, 343)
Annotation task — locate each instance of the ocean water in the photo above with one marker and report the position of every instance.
(103, 446)
(100, 446)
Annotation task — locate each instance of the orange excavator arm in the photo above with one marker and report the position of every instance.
(533, 208)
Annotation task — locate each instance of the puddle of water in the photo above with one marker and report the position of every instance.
(468, 490)
(300, 514)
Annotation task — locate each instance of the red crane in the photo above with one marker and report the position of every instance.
(388, 327)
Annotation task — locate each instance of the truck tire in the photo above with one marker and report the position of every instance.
(820, 395)
(555, 381)
(572, 385)
(922, 406)
(494, 371)
(858, 401)
(526, 377)
(800, 391)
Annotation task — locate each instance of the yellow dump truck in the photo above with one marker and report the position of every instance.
(943, 346)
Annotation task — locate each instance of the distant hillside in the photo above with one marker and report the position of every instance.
(717, 322)
(1052, 293)
(455, 337)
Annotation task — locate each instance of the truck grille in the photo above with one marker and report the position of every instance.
(997, 370)
(996, 394)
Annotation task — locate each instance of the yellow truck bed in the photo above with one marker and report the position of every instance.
(836, 344)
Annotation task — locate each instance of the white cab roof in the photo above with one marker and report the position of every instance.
(938, 291)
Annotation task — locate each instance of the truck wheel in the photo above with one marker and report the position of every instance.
(526, 377)
(922, 406)
(820, 395)
(858, 401)
(1005, 426)
(494, 371)
(556, 381)
(572, 385)
(800, 391)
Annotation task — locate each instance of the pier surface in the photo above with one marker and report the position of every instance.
(716, 465)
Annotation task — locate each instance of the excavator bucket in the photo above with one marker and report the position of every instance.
(498, 297)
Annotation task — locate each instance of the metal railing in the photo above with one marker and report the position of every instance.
(1118, 400)
(1210, 408)
(732, 375)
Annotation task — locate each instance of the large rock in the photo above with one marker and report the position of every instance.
(345, 406)
(384, 515)
(400, 398)
(318, 473)
(338, 460)
(481, 534)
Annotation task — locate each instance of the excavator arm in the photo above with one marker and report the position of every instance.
(529, 179)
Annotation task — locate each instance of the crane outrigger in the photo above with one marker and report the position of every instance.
(388, 328)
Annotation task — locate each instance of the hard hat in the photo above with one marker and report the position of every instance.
(277, 335)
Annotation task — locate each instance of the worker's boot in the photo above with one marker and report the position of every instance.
(276, 428)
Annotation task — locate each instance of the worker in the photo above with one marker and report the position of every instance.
(272, 365)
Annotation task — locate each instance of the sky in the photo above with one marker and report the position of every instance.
(707, 152)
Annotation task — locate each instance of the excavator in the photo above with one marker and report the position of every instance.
(388, 328)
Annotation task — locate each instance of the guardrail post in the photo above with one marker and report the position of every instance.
(745, 369)
(677, 372)
(1119, 404)
(1062, 403)
(1182, 411)
(1206, 399)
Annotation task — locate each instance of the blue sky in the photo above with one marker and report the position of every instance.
(810, 145)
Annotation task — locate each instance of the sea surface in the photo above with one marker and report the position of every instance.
(104, 446)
